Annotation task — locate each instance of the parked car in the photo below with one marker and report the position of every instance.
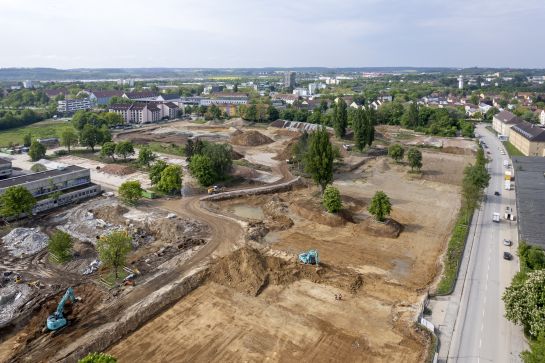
(496, 193)
(507, 242)
(507, 256)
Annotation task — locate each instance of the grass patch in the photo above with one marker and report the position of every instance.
(511, 149)
(489, 128)
(42, 129)
(170, 149)
(454, 254)
(110, 277)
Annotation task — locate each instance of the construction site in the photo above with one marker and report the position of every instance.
(223, 277)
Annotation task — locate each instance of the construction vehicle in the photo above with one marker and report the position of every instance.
(310, 257)
(18, 279)
(215, 189)
(57, 321)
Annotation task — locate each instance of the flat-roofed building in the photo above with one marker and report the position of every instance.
(54, 188)
(5, 168)
(73, 105)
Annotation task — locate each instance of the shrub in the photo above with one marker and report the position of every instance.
(332, 199)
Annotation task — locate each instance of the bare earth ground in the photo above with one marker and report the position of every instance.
(301, 321)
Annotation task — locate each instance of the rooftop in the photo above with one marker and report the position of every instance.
(18, 180)
(508, 117)
(529, 131)
(530, 191)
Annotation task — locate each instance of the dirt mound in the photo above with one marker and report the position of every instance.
(248, 271)
(312, 210)
(176, 231)
(236, 155)
(250, 138)
(25, 241)
(287, 152)
(116, 169)
(111, 213)
(277, 215)
(389, 229)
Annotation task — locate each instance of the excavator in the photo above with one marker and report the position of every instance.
(310, 257)
(57, 321)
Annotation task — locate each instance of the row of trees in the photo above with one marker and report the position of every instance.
(524, 300)
(123, 149)
(11, 119)
(476, 178)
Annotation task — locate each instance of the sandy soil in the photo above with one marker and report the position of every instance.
(301, 320)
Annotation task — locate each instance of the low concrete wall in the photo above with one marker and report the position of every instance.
(254, 191)
(133, 318)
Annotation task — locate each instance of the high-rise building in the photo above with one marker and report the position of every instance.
(289, 79)
(461, 82)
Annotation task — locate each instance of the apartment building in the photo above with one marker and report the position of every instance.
(72, 105)
(225, 98)
(68, 183)
(141, 113)
(504, 121)
(528, 138)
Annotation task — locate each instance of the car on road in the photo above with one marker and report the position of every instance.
(507, 256)
(496, 193)
(507, 242)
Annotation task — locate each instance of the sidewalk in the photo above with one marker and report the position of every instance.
(445, 308)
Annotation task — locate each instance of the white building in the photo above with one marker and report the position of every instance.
(301, 92)
(28, 84)
(73, 105)
(141, 113)
(542, 117)
(461, 82)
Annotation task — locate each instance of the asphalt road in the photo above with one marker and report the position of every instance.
(481, 332)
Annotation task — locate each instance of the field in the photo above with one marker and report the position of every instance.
(220, 280)
(42, 129)
(299, 318)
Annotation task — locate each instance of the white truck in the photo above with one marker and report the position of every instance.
(496, 217)
(506, 163)
(507, 185)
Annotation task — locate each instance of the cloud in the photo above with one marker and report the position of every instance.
(246, 33)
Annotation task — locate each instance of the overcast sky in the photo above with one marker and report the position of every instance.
(281, 33)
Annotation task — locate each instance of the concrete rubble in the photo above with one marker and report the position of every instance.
(22, 242)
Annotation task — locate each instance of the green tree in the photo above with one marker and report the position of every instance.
(15, 201)
(124, 149)
(319, 158)
(202, 169)
(146, 156)
(536, 354)
(90, 136)
(113, 249)
(98, 358)
(525, 303)
(189, 149)
(340, 118)
(36, 151)
(171, 179)
(108, 150)
(156, 170)
(380, 206)
(359, 121)
(60, 245)
(38, 168)
(130, 191)
(220, 155)
(69, 138)
(332, 199)
(27, 139)
(410, 118)
(415, 158)
(396, 152)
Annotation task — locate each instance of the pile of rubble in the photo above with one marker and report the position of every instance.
(22, 242)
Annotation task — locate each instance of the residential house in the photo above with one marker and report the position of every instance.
(52, 93)
(503, 121)
(471, 109)
(289, 99)
(528, 138)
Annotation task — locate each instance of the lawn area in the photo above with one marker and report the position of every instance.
(511, 150)
(455, 252)
(46, 128)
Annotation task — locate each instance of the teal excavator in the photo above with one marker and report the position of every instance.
(57, 321)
